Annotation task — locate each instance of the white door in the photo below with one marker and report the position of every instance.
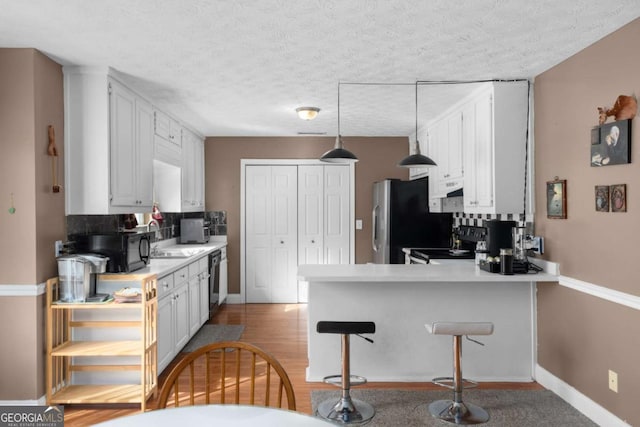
(194, 304)
(144, 132)
(336, 214)
(310, 219)
(271, 233)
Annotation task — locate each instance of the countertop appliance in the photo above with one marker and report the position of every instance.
(401, 219)
(499, 236)
(77, 275)
(468, 236)
(194, 230)
(127, 251)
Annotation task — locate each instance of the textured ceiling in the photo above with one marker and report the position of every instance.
(241, 67)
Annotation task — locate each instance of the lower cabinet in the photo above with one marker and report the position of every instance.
(183, 307)
(173, 318)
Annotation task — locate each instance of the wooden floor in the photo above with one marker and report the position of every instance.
(280, 329)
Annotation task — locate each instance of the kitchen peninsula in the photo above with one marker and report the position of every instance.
(401, 299)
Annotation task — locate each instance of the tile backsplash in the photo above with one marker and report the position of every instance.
(170, 227)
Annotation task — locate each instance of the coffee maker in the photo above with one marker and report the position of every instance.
(499, 236)
(77, 275)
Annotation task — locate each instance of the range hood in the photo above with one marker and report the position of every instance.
(455, 193)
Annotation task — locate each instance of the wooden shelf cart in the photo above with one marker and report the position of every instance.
(66, 356)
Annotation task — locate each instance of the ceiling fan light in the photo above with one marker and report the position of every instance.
(307, 113)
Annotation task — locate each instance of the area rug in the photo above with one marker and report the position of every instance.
(213, 333)
(521, 408)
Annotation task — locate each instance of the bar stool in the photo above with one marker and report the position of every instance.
(456, 411)
(346, 410)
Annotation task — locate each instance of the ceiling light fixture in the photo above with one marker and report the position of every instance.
(339, 154)
(307, 113)
(416, 160)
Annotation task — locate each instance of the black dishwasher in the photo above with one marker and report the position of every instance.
(214, 281)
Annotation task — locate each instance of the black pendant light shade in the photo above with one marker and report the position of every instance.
(416, 160)
(339, 154)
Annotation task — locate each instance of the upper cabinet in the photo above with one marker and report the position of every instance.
(120, 151)
(168, 139)
(494, 135)
(192, 172)
(108, 145)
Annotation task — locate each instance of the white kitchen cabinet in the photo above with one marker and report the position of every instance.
(192, 172)
(494, 146)
(444, 137)
(167, 128)
(108, 145)
(198, 294)
(131, 129)
(223, 282)
(173, 315)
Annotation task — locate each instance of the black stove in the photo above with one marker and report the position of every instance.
(468, 236)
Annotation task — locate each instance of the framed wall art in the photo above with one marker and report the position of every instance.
(557, 198)
(602, 198)
(618, 197)
(611, 143)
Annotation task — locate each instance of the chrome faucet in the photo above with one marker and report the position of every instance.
(157, 232)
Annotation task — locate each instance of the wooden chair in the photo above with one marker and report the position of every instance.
(228, 372)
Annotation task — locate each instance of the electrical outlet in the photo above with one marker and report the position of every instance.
(58, 247)
(613, 381)
(358, 224)
(538, 245)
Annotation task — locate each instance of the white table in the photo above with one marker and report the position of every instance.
(222, 415)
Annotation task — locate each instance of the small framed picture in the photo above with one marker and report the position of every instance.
(618, 197)
(612, 144)
(557, 199)
(602, 198)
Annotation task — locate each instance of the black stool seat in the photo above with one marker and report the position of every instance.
(328, 327)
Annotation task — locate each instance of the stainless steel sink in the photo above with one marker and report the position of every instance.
(174, 252)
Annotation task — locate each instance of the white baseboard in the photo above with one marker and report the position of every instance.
(235, 299)
(40, 402)
(573, 397)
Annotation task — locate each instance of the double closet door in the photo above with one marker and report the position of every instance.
(294, 214)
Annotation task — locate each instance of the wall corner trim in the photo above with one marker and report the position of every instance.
(608, 294)
(573, 397)
(22, 290)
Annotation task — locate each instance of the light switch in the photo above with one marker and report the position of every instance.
(358, 224)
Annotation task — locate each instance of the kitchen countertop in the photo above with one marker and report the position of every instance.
(163, 266)
(437, 271)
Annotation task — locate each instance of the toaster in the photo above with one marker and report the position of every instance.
(194, 230)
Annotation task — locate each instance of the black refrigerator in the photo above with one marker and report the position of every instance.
(401, 219)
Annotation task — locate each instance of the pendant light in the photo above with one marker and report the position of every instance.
(339, 154)
(416, 160)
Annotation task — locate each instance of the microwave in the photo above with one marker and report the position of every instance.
(127, 251)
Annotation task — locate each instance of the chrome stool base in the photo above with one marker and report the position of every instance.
(458, 412)
(346, 411)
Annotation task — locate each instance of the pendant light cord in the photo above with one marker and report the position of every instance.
(526, 154)
(338, 109)
(417, 146)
